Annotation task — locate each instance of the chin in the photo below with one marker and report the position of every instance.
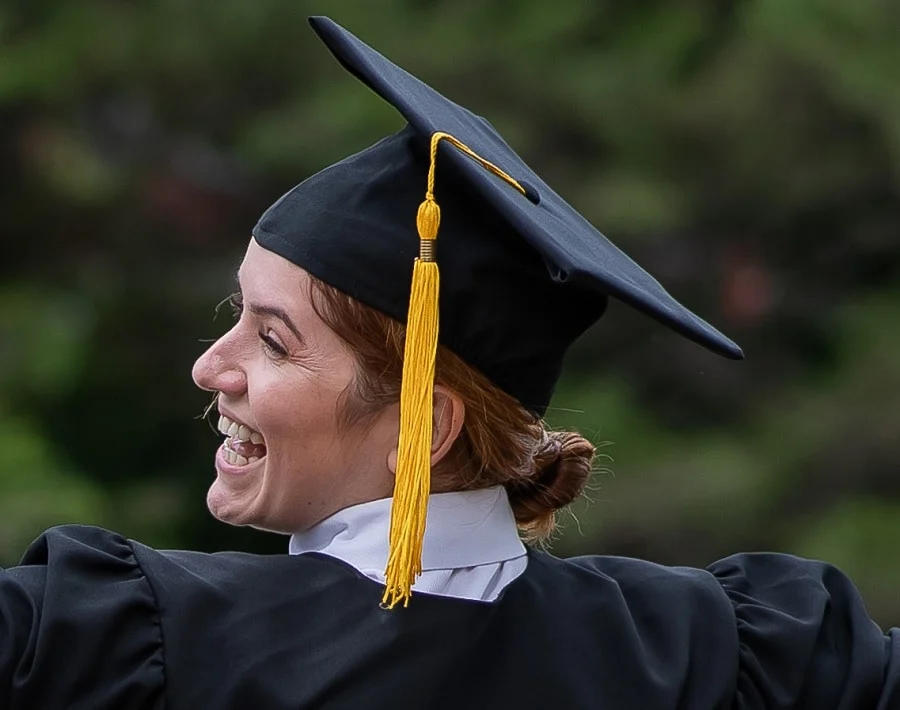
(225, 509)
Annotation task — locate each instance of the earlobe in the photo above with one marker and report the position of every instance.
(449, 416)
(392, 461)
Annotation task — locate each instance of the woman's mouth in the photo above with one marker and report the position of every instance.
(242, 446)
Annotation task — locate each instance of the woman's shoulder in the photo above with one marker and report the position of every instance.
(774, 576)
(676, 620)
(739, 596)
(95, 548)
(183, 591)
(95, 551)
(630, 582)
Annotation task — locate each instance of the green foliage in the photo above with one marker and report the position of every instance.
(747, 153)
(860, 537)
(48, 495)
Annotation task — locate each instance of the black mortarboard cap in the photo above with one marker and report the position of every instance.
(522, 273)
(522, 276)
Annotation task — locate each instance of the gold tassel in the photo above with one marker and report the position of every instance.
(413, 478)
(412, 485)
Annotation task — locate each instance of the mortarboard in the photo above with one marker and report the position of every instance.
(522, 273)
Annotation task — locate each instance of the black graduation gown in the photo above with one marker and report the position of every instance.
(91, 620)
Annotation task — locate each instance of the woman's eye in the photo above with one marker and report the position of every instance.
(271, 345)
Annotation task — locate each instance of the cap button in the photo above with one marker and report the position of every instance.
(530, 193)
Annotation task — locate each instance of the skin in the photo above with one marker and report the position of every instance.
(290, 388)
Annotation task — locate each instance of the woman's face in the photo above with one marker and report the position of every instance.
(282, 377)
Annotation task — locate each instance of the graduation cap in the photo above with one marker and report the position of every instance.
(522, 273)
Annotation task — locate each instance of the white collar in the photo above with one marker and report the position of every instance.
(463, 529)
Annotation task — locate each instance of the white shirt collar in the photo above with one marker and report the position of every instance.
(463, 529)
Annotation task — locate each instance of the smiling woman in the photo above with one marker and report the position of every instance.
(385, 411)
(308, 396)
(281, 372)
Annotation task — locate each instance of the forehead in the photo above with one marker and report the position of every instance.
(265, 272)
(259, 261)
(269, 282)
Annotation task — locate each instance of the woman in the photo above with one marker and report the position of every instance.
(347, 426)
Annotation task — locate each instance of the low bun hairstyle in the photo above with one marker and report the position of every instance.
(501, 443)
(563, 463)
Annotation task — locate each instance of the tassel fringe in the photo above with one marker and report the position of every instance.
(413, 478)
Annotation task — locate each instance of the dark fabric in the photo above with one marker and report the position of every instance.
(519, 281)
(353, 226)
(91, 620)
(80, 627)
(805, 637)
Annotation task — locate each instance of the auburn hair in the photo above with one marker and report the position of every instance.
(500, 443)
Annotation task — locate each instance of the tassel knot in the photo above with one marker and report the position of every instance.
(428, 220)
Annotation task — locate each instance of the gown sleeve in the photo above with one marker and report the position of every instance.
(805, 639)
(79, 626)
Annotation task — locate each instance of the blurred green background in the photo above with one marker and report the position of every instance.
(747, 153)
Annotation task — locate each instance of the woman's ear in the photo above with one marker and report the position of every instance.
(449, 415)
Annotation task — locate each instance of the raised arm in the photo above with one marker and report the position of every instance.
(79, 626)
(805, 638)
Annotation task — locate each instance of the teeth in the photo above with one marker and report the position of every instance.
(239, 432)
(235, 459)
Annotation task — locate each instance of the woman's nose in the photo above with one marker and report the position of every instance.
(217, 370)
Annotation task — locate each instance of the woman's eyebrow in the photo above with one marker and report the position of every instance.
(276, 312)
(265, 310)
